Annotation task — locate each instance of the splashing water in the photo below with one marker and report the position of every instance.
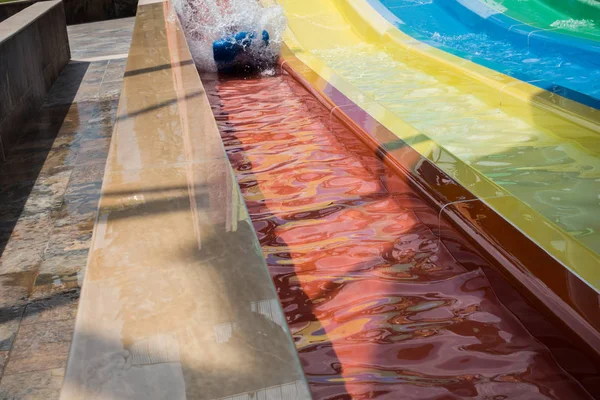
(573, 24)
(205, 21)
(593, 3)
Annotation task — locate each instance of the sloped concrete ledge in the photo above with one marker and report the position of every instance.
(177, 301)
(34, 48)
(12, 7)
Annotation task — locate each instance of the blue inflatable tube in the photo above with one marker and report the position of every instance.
(229, 48)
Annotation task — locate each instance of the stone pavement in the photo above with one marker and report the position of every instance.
(110, 39)
(49, 191)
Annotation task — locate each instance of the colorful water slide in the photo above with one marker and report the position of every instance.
(515, 151)
(378, 304)
(533, 162)
(562, 64)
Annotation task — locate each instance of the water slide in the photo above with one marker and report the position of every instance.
(532, 161)
(386, 291)
(472, 29)
(528, 155)
(378, 306)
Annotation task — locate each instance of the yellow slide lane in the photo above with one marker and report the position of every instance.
(506, 141)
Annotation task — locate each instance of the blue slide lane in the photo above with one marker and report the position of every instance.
(561, 64)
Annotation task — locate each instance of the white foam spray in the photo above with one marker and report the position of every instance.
(205, 21)
(573, 24)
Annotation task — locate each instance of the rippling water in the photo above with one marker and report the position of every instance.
(377, 306)
(439, 27)
(557, 177)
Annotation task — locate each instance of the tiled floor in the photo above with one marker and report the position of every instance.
(49, 191)
(116, 32)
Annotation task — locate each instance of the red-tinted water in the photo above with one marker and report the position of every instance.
(377, 306)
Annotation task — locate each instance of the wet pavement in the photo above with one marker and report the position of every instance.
(377, 305)
(49, 191)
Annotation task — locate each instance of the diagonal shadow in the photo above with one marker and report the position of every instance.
(24, 163)
(158, 106)
(291, 296)
(157, 68)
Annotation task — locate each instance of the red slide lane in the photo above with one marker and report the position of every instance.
(377, 306)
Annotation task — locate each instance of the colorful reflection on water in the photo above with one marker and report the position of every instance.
(378, 307)
(554, 175)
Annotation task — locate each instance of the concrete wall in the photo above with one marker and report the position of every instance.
(34, 48)
(11, 8)
(80, 11)
(217, 330)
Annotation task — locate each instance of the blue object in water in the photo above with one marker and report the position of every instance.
(227, 49)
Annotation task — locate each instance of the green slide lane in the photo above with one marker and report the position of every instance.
(572, 17)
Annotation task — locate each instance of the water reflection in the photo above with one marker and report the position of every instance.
(557, 177)
(377, 306)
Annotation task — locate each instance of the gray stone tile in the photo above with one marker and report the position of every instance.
(39, 385)
(13, 196)
(14, 290)
(70, 141)
(50, 285)
(39, 135)
(69, 90)
(93, 151)
(67, 250)
(10, 318)
(95, 73)
(99, 111)
(78, 116)
(110, 90)
(82, 194)
(3, 359)
(26, 243)
(66, 253)
(40, 346)
(29, 200)
(101, 129)
(40, 129)
(26, 221)
(88, 93)
(67, 85)
(115, 71)
(78, 209)
(61, 306)
(50, 113)
(100, 39)
(31, 165)
(84, 174)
